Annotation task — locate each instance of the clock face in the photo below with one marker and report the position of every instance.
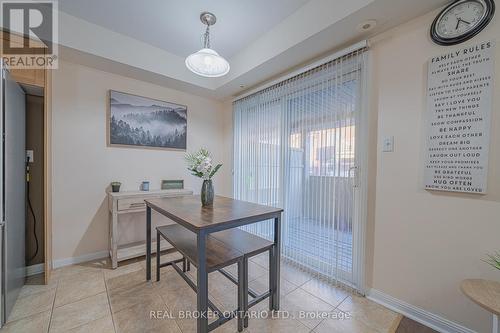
(462, 20)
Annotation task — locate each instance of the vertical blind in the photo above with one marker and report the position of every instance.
(295, 148)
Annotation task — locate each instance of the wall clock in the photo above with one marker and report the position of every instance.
(461, 20)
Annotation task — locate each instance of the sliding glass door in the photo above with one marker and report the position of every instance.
(297, 146)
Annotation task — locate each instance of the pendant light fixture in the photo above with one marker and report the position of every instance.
(206, 62)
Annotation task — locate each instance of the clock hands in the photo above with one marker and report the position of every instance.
(460, 20)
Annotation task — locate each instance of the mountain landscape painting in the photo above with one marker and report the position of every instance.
(141, 121)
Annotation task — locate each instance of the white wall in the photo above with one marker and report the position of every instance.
(426, 243)
(83, 165)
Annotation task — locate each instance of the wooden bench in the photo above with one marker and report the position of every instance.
(219, 255)
(223, 249)
(250, 245)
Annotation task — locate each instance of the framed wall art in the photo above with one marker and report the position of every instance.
(135, 121)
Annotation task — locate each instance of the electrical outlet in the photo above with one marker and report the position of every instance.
(30, 156)
(388, 145)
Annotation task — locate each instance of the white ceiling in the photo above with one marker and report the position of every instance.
(149, 39)
(175, 26)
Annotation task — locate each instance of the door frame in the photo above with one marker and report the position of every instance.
(47, 180)
(360, 189)
(33, 78)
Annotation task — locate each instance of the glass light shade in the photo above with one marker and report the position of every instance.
(207, 62)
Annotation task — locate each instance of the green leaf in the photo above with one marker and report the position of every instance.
(493, 260)
(217, 167)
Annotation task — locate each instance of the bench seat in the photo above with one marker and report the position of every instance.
(219, 254)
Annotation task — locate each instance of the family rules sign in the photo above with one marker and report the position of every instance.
(459, 103)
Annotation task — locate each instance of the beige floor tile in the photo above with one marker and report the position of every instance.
(76, 314)
(261, 285)
(164, 258)
(223, 291)
(262, 260)
(36, 284)
(122, 298)
(170, 280)
(368, 312)
(328, 292)
(93, 266)
(32, 304)
(122, 269)
(79, 286)
(254, 270)
(189, 326)
(38, 323)
(138, 319)
(127, 280)
(277, 324)
(294, 274)
(306, 308)
(342, 323)
(183, 301)
(179, 299)
(102, 325)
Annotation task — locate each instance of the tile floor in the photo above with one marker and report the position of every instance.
(91, 297)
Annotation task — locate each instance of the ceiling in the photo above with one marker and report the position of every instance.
(175, 26)
(149, 39)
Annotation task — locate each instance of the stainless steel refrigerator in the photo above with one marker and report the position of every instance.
(13, 191)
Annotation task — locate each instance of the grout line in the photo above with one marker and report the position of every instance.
(335, 308)
(53, 305)
(83, 298)
(109, 302)
(312, 330)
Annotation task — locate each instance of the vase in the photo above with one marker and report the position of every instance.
(207, 193)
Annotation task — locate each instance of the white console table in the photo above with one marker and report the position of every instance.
(132, 202)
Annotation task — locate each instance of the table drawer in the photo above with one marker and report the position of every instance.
(131, 204)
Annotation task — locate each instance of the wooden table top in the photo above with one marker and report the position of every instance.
(225, 212)
(484, 293)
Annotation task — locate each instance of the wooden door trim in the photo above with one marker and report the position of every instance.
(46, 84)
(47, 174)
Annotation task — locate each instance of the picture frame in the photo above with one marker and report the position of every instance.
(175, 184)
(135, 121)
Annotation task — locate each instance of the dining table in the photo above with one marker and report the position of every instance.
(224, 214)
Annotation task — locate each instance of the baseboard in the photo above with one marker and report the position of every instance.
(35, 269)
(76, 260)
(420, 315)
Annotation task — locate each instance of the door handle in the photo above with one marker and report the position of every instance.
(354, 171)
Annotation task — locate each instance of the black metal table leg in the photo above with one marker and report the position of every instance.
(271, 277)
(158, 255)
(276, 263)
(244, 283)
(202, 281)
(241, 295)
(148, 243)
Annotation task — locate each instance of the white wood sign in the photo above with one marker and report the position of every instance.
(459, 102)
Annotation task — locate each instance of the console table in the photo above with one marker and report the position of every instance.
(132, 202)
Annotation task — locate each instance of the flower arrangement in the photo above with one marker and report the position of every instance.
(201, 165)
(493, 260)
